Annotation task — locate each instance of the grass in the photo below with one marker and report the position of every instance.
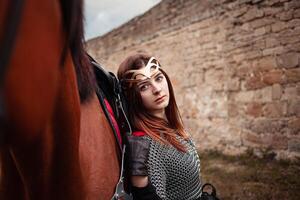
(251, 178)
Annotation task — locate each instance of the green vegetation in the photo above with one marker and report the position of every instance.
(248, 177)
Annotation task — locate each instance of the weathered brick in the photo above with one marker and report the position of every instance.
(290, 40)
(242, 71)
(294, 23)
(254, 109)
(292, 75)
(294, 145)
(267, 126)
(262, 30)
(276, 91)
(276, 141)
(291, 92)
(254, 82)
(288, 60)
(285, 16)
(251, 139)
(294, 126)
(258, 45)
(296, 13)
(215, 78)
(233, 109)
(263, 94)
(245, 96)
(275, 76)
(270, 11)
(292, 5)
(257, 23)
(293, 107)
(253, 13)
(293, 47)
(233, 84)
(264, 64)
(278, 26)
(274, 109)
(272, 42)
(273, 51)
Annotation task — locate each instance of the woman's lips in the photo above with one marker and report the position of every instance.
(160, 99)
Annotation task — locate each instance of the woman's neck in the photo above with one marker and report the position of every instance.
(160, 114)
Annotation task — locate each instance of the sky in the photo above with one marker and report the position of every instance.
(101, 16)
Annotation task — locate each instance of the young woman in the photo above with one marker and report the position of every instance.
(164, 162)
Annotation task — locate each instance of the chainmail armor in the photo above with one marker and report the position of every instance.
(175, 174)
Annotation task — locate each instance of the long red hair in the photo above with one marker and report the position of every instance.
(159, 129)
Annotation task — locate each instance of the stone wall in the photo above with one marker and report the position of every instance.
(234, 65)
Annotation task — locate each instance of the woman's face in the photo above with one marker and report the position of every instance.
(154, 92)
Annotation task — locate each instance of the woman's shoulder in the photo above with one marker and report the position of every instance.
(138, 140)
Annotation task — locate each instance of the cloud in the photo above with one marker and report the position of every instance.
(102, 16)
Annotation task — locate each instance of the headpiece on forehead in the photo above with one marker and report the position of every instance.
(147, 72)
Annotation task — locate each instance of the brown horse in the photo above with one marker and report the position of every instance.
(57, 142)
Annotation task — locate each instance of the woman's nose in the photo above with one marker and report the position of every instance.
(156, 88)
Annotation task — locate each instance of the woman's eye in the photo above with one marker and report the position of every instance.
(144, 87)
(159, 78)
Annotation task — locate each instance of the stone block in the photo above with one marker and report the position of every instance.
(292, 40)
(278, 26)
(288, 60)
(272, 42)
(293, 47)
(254, 82)
(233, 84)
(273, 51)
(292, 5)
(258, 45)
(215, 78)
(296, 13)
(294, 23)
(291, 92)
(292, 75)
(263, 126)
(285, 16)
(244, 96)
(251, 139)
(263, 94)
(272, 77)
(293, 108)
(262, 31)
(254, 109)
(276, 91)
(264, 64)
(294, 145)
(294, 126)
(233, 109)
(261, 22)
(253, 54)
(271, 11)
(252, 13)
(275, 141)
(274, 109)
(242, 71)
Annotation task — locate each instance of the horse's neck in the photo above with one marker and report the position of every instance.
(98, 151)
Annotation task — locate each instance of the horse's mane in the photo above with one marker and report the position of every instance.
(73, 20)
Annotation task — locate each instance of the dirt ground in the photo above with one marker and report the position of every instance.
(248, 177)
